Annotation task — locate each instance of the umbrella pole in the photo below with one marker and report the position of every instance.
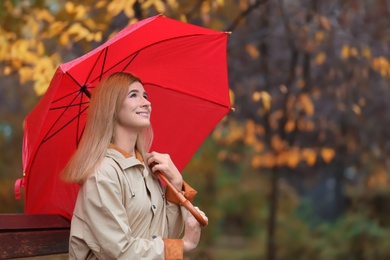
(183, 201)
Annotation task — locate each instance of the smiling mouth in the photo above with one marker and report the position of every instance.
(144, 114)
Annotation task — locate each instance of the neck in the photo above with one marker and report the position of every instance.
(125, 139)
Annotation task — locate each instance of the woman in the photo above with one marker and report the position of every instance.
(122, 211)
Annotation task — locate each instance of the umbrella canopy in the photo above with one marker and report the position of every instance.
(184, 70)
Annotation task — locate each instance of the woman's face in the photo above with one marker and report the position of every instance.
(135, 111)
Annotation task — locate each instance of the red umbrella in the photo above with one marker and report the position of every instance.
(184, 70)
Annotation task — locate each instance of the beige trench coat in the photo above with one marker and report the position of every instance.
(121, 213)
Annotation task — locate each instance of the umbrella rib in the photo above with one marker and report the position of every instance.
(65, 125)
(136, 54)
(138, 51)
(104, 63)
(94, 65)
(83, 89)
(78, 122)
(63, 112)
(104, 72)
(70, 94)
(73, 105)
(187, 94)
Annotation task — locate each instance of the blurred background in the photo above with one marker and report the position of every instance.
(300, 169)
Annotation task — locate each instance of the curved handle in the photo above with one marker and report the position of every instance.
(183, 201)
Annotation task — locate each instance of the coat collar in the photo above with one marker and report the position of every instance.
(123, 162)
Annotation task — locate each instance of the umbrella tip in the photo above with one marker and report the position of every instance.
(232, 109)
(229, 32)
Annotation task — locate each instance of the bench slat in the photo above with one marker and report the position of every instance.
(33, 235)
(32, 221)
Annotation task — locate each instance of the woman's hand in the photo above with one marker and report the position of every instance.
(192, 231)
(163, 163)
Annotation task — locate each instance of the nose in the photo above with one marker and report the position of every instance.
(146, 103)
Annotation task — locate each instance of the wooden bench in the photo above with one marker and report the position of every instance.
(23, 235)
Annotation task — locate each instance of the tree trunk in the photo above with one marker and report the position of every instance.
(273, 206)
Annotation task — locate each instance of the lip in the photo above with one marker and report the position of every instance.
(143, 114)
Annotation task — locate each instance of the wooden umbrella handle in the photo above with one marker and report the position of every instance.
(183, 201)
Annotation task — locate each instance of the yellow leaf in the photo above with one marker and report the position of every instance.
(80, 12)
(16, 63)
(345, 52)
(250, 136)
(283, 89)
(90, 23)
(174, 5)
(116, 6)
(353, 52)
(256, 96)
(310, 156)
(129, 11)
(260, 130)
(231, 96)
(222, 155)
(309, 125)
(40, 87)
(69, 7)
(325, 23)
(159, 6)
(100, 4)
(356, 109)
(55, 29)
(366, 52)
(146, 4)
(256, 161)
(79, 31)
(277, 143)
(25, 74)
(300, 83)
(305, 124)
(327, 154)
(319, 36)
(306, 104)
(7, 70)
(289, 126)
(252, 50)
(205, 8)
(258, 146)
(266, 98)
(320, 58)
(274, 118)
(44, 14)
(384, 72)
(293, 158)
(64, 39)
(90, 37)
(282, 158)
(40, 48)
(183, 18)
(98, 37)
(268, 160)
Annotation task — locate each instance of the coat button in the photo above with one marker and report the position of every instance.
(154, 237)
(154, 206)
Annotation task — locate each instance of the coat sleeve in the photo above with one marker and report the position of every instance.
(106, 218)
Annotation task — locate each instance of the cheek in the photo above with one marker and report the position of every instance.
(123, 114)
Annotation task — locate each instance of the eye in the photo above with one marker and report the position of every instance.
(145, 96)
(133, 95)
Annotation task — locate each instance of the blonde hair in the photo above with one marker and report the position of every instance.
(99, 129)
